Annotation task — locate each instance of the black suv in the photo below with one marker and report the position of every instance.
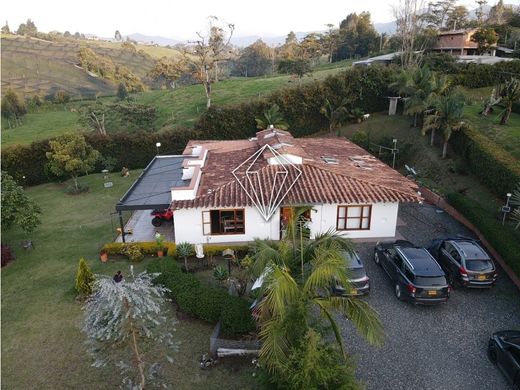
(504, 351)
(465, 262)
(416, 275)
(359, 281)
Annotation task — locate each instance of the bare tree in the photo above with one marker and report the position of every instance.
(207, 51)
(409, 24)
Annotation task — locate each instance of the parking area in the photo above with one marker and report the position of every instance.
(439, 347)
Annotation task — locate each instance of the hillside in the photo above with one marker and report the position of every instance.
(181, 106)
(34, 66)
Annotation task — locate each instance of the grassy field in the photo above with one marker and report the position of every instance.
(42, 346)
(181, 106)
(442, 175)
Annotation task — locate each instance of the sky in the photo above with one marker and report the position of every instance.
(181, 19)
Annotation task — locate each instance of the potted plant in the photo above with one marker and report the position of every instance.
(159, 240)
(103, 255)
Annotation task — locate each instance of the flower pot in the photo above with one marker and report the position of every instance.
(160, 253)
(103, 256)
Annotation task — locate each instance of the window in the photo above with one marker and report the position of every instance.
(223, 222)
(330, 160)
(354, 217)
(409, 275)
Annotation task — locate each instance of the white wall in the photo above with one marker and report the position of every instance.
(188, 224)
(188, 227)
(382, 223)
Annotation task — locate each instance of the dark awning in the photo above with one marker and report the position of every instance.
(152, 189)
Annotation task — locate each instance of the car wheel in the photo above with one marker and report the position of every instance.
(376, 258)
(492, 353)
(398, 292)
(157, 221)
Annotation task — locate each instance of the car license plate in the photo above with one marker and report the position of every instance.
(432, 292)
(481, 277)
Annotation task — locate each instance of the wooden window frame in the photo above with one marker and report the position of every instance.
(220, 221)
(361, 218)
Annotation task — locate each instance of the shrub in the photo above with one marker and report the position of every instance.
(483, 75)
(133, 252)
(494, 166)
(207, 303)
(7, 255)
(503, 239)
(146, 248)
(84, 279)
(360, 138)
(220, 273)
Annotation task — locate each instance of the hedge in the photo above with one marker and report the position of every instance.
(27, 163)
(483, 75)
(503, 239)
(365, 88)
(494, 166)
(147, 248)
(207, 303)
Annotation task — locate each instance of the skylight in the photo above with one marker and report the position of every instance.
(330, 160)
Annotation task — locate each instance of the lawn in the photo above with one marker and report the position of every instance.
(442, 175)
(42, 346)
(181, 106)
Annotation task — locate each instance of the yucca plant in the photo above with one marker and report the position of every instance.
(185, 250)
(220, 273)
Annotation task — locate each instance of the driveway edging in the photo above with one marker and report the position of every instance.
(437, 200)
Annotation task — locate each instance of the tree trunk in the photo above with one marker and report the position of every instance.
(432, 137)
(186, 263)
(138, 360)
(75, 179)
(506, 115)
(415, 120)
(444, 149)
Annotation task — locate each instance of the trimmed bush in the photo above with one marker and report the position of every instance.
(483, 75)
(503, 239)
(494, 166)
(146, 248)
(207, 303)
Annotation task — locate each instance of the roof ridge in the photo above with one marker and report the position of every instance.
(315, 165)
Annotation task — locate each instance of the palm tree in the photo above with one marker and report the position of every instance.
(334, 112)
(272, 117)
(297, 276)
(419, 87)
(446, 117)
(510, 94)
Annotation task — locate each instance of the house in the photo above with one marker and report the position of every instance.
(239, 190)
(457, 42)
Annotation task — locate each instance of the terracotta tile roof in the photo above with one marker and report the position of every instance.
(358, 177)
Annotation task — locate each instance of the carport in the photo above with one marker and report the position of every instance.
(152, 189)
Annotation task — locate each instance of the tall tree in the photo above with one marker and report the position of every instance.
(289, 48)
(6, 29)
(17, 208)
(457, 18)
(480, 12)
(510, 95)
(123, 321)
(447, 117)
(211, 47)
(310, 48)
(438, 12)
(409, 25)
(485, 38)
(255, 59)
(28, 29)
(168, 70)
(13, 108)
(329, 41)
(70, 154)
(357, 36)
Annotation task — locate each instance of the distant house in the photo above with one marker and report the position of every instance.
(457, 42)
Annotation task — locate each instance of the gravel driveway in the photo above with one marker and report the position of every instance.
(440, 347)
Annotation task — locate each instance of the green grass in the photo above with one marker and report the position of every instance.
(181, 106)
(42, 346)
(41, 125)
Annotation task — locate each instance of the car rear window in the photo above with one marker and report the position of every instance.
(356, 273)
(430, 281)
(478, 265)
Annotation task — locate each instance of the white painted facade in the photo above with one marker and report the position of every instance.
(188, 224)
